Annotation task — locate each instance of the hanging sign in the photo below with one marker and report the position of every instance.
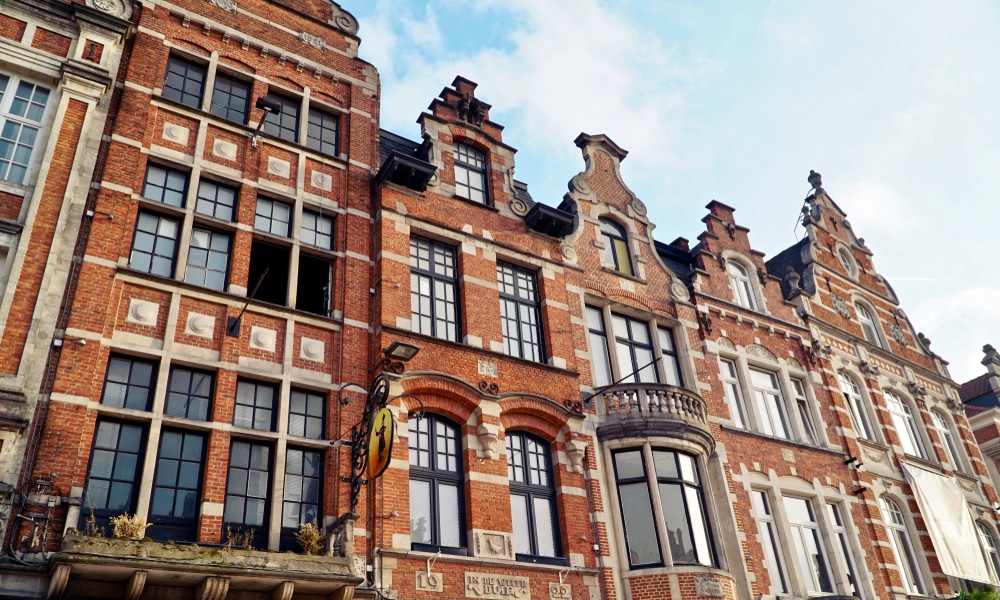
(380, 442)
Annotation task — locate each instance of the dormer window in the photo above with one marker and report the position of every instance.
(868, 325)
(739, 280)
(470, 173)
(848, 262)
(616, 254)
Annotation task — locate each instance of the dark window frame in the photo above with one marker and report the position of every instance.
(260, 532)
(632, 343)
(183, 95)
(532, 491)
(153, 255)
(435, 476)
(270, 218)
(207, 270)
(287, 540)
(170, 174)
(170, 527)
(273, 409)
(436, 273)
(320, 143)
(201, 200)
(474, 164)
(307, 418)
(317, 235)
(530, 302)
(187, 406)
(227, 111)
(283, 125)
(150, 387)
(616, 248)
(102, 516)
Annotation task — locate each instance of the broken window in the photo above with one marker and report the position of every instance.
(274, 259)
(313, 290)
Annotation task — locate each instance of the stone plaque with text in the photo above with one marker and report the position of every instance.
(490, 586)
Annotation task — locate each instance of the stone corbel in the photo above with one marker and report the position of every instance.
(576, 447)
(488, 435)
(918, 391)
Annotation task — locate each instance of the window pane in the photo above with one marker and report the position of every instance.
(448, 511)
(628, 465)
(420, 512)
(678, 528)
(519, 514)
(545, 535)
(640, 528)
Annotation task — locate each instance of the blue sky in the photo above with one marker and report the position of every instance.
(895, 103)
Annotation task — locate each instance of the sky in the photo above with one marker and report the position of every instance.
(894, 102)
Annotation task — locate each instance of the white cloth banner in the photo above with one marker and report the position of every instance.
(949, 523)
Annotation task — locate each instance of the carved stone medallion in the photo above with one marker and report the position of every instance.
(709, 587)
(313, 40)
(897, 333)
(226, 5)
(519, 207)
(840, 305)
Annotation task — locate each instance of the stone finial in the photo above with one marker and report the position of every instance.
(992, 359)
(815, 180)
(791, 279)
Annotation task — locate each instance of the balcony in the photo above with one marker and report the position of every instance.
(652, 409)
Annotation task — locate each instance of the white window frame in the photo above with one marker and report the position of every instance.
(40, 126)
(905, 423)
(733, 388)
(952, 450)
(837, 515)
(902, 546)
(804, 409)
(801, 533)
(740, 283)
(772, 409)
(767, 528)
(991, 553)
(869, 325)
(857, 407)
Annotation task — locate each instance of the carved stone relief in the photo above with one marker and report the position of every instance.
(519, 207)
(200, 325)
(840, 305)
(497, 587)
(223, 149)
(709, 587)
(568, 253)
(638, 206)
(262, 339)
(227, 5)
(430, 582)
(177, 134)
(142, 312)
(115, 8)
(794, 364)
(761, 352)
(560, 591)
(488, 368)
(321, 181)
(679, 290)
(313, 40)
(281, 168)
(493, 544)
(725, 343)
(897, 333)
(313, 350)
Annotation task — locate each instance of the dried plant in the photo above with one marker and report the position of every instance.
(90, 529)
(129, 527)
(310, 538)
(238, 540)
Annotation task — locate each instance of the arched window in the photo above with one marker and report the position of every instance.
(683, 538)
(848, 262)
(989, 547)
(532, 499)
(899, 539)
(470, 173)
(437, 506)
(616, 253)
(951, 449)
(868, 325)
(855, 406)
(906, 425)
(739, 280)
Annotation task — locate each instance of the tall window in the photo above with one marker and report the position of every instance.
(634, 349)
(185, 82)
(437, 507)
(128, 383)
(189, 395)
(842, 547)
(113, 473)
(807, 546)
(951, 449)
(769, 540)
(739, 281)
(772, 412)
(322, 133)
(632, 352)
(602, 374)
(520, 312)
(176, 487)
(273, 217)
(734, 391)
(616, 252)
(809, 432)
(433, 289)
(532, 498)
(208, 258)
(989, 545)
(316, 230)
(248, 490)
(855, 406)
(899, 539)
(470, 173)
(154, 245)
(216, 200)
(305, 414)
(230, 99)
(22, 107)
(285, 123)
(165, 185)
(255, 404)
(671, 363)
(676, 478)
(868, 325)
(303, 483)
(906, 426)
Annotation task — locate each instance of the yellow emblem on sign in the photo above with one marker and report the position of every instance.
(380, 442)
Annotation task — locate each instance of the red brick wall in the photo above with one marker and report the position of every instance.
(11, 28)
(51, 42)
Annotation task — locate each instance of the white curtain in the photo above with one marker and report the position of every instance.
(949, 523)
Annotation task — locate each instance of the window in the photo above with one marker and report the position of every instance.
(532, 498)
(899, 539)
(165, 185)
(671, 364)
(273, 217)
(437, 507)
(322, 133)
(128, 383)
(848, 262)
(739, 281)
(305, 414)
(989, 548)
(868, 326)
(231, 99)
(734, 391)
(254, 405)
(154, 245)
(176, 487)
(855, 406)
(285, 123)
(520, 312)
(616, 252)
(470, 173)
(951, 449)
(906, 426)
(316, 230)
(807, 546)
(189, 394)
(275, 260)
(769, 540)
(185, 82)
(601, 361)
(22, 107)
(634, 349)
(113, 473)
(772, 413)
(208, 259)
(842, 547)
(248, 489)
(303, 481)
(313, 285)
(809, 432)
(433, 289)
(685, 527)
(216, 200)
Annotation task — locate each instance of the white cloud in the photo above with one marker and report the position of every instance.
(874, 206)
(959, 324)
